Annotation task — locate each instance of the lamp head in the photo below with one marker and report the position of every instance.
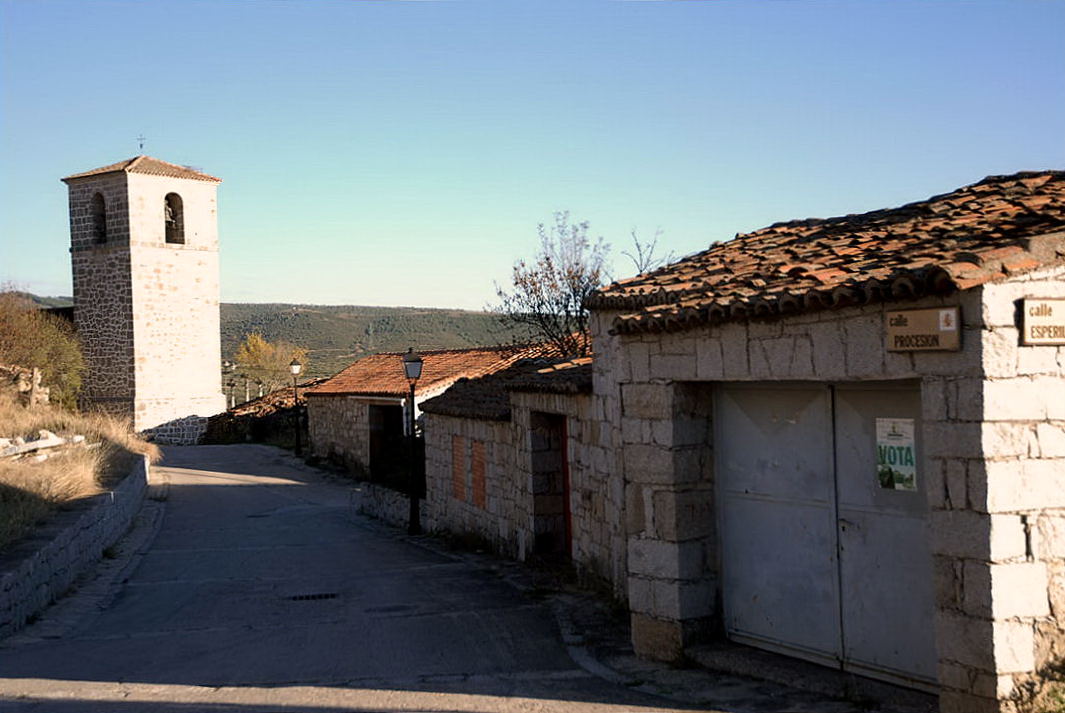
(412, 365)
(295, 367)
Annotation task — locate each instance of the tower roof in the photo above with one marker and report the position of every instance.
(150, 166)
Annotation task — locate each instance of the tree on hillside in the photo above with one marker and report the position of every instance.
(259, 359)
(547, 293)
(34, 339)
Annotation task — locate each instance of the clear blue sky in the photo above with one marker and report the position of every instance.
(403, 152)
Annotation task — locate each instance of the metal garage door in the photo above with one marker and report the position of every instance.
(823, 556)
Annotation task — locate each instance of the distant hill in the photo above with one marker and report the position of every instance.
(337, 335)
(48, 302)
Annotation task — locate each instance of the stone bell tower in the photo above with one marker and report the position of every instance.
(144, 251)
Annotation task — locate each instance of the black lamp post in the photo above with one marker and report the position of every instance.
(412, 369)
(295, 367)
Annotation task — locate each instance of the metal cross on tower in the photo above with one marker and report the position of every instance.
(141, 140)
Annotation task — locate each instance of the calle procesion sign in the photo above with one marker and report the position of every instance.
(923, 330)
(1043, 321)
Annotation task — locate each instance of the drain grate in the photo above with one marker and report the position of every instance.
(313, 597)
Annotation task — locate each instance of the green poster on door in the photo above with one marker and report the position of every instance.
(896, 457)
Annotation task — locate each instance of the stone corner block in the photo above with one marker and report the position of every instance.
(657, 639)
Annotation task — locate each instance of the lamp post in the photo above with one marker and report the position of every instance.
(227, 369)
(412, 369)
(295, 367)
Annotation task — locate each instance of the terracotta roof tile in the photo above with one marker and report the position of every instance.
(150, 166)
(487, 398)
(1001, 226)
(382, 374)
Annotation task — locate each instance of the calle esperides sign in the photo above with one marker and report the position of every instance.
(923, 330)
(1044, 321)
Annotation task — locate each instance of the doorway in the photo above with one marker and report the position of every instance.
(550, 486)
(387, 445)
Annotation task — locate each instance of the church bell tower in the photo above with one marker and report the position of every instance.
(144, 252)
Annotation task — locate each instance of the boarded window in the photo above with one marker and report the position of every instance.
(174, 212)
(458, 467)
(477, 467)
(99, 218)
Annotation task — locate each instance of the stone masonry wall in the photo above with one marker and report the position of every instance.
(506, 519)
(455, 449)
(102, 282)
(339, 428)
(1005, 592)
(176, 328)
(40, 569)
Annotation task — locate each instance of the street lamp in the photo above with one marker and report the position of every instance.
(412, 369)
(295, 367)
(227, 369)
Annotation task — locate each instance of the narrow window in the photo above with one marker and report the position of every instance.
(175, 219)
(99, 218)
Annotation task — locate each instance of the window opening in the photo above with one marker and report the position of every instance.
(99, 218)
(175, 219)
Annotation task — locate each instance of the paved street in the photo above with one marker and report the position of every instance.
(251, 585)
(263, 591)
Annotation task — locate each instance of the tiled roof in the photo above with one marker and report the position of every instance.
(150, 166)
(382, 374)
(487, 398)
(568, 377)
(1001, 226)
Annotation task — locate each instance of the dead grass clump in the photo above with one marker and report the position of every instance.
(18, 420)
(30, 491)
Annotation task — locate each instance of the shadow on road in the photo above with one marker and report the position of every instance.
(269, 597)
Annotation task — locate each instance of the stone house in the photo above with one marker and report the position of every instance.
(359, 417)
(838, 439)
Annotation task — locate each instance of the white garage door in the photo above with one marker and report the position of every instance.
(824, 535)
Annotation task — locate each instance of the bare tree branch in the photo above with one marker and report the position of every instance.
(548, 293)
(643, 255)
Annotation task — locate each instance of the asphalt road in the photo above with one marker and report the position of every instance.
(262, 590)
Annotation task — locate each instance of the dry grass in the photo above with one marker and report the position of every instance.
(31, 491)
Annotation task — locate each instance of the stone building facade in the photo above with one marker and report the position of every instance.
(144, 252)
(518, 460)
(734, 461)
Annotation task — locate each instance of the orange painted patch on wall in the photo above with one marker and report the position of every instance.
(458, 467)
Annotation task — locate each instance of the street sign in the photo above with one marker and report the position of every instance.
(920, 330)
(1044, 321)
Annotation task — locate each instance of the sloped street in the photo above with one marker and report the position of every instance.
(258, 588)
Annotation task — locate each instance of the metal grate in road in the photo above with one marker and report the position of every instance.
(313, 597)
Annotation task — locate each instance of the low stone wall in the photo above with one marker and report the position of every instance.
(391, 506)
(180, 432)
(39, 569)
